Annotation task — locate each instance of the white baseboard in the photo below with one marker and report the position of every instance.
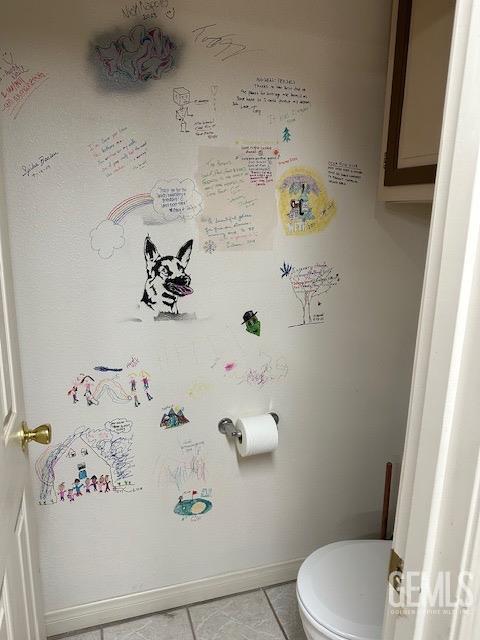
(93, 614)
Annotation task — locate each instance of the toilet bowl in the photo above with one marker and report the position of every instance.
(341, 590)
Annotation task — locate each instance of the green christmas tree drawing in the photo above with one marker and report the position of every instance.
(287, 136)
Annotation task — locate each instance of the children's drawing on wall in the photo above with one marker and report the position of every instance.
(17, 83)
(194, 114)
(273, 98)
(286, 135)
(145, 53)
(149, 9)
(303, 202)
(214, 92)
(200, 353)
(189, 467)
(256, 370)
(224, 47)
(167, 281)
(114, 384)
(251, 322)
(286, 269)
(173, 417)
(88, 462)
(169, 201)
(344, 173)
(238, 215)
(118, 151)
(199, 389)
(308, 283)
(193, 504)
(181, 97)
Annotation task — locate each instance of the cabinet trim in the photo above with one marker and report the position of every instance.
(393, 175)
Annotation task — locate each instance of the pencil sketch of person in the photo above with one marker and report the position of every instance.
(181, 97)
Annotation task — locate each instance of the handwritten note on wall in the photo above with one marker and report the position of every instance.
(17, 83)
(237, 214)
(205, 128)
(260, 160)
(145, 9)
(344, 172)
(119, 151)
(271, 96)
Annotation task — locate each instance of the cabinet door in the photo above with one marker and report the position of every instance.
(418, 66)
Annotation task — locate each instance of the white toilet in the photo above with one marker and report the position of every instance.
(341, 590)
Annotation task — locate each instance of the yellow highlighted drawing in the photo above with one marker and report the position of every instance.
(303, 202)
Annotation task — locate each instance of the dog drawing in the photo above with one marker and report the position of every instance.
(166, 278)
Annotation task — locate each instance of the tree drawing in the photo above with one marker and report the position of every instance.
(310, 281)
(287, 136)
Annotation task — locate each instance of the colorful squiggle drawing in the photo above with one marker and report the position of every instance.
(144, 54)
(189, 467)
(256, 371)
(114, 387)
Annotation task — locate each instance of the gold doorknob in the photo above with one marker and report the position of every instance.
(42, 434)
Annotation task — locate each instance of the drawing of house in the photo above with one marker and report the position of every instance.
(83, 454)
(80, 461)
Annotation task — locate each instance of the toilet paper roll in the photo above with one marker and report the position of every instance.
(259, 435)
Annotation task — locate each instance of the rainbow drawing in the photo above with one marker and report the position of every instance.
(172, 200)
(121, 210)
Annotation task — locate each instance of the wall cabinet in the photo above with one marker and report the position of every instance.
(416, 79)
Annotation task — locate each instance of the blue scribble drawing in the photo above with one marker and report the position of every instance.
(286, 269)
(144, 54)
(87, 458)
(189, 467)
(287, 136)
(105, 369)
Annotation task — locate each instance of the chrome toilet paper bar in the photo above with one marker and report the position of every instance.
(227, 426)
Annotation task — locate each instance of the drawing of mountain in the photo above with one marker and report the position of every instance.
(173, 419)
(181, 417)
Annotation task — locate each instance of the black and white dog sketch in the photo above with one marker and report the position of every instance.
(167, 281)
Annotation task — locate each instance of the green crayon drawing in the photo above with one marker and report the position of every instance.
(251, 322)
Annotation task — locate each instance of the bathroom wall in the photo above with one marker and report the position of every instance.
(179, 130)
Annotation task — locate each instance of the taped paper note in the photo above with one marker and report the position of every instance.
(237, 213)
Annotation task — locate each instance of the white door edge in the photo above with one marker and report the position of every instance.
(445, 309)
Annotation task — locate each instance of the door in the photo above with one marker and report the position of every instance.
(21, 616)
(437, 524)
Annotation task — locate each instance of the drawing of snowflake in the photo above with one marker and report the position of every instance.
(209, 246)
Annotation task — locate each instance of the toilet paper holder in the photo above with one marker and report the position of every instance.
(227, 426)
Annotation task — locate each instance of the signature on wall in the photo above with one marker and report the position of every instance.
(225, 46)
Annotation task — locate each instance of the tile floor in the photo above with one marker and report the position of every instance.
(265, 614)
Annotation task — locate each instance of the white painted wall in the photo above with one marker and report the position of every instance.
(343, 403)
